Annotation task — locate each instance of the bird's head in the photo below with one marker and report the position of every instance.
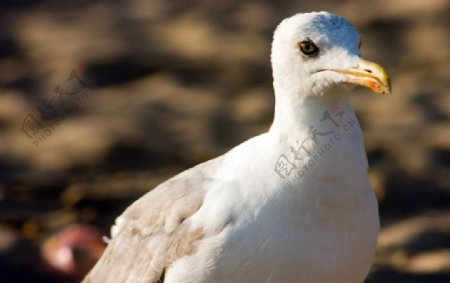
(319, 54)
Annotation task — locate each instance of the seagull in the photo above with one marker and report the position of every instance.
(291, 205)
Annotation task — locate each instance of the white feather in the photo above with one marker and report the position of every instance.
(235, 219)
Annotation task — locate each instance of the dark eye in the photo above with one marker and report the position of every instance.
(308, 48)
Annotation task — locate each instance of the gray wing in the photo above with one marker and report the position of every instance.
(151, 234)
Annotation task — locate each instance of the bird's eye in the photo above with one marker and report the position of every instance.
(308, 48)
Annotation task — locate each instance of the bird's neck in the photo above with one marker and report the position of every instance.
(296, 113)
(321, 133)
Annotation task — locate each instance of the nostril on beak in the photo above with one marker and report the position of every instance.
(368, 71)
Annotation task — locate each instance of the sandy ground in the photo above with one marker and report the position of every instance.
(101, 101)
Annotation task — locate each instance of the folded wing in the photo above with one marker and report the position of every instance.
(153, 233)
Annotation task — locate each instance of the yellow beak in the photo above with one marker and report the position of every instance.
(368, 74)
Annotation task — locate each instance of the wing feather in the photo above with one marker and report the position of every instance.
(152, 233)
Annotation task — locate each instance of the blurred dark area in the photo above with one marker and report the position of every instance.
(100, 101)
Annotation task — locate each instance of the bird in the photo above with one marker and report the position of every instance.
(293, 204)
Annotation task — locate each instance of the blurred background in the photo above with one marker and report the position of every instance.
(102, 100)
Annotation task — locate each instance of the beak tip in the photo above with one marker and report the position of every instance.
(388, 88)
(381, 82)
